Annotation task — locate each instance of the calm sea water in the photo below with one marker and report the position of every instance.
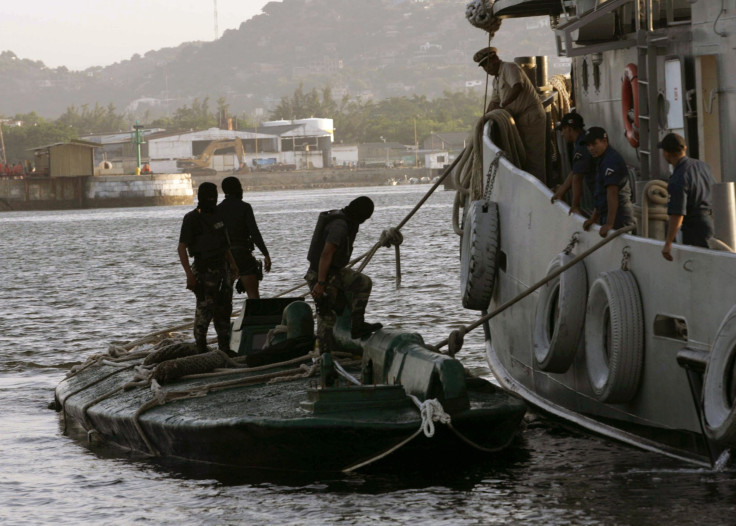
(75, 281)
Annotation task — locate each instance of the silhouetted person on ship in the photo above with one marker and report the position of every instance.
(211, 276)
(515, 93)
(244, 234)
(329, 278)
(612, 195)
(582, 171)
(690, 206)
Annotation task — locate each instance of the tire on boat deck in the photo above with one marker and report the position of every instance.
(479, 254)
(614, 337)
(719, 389)
(560, 316)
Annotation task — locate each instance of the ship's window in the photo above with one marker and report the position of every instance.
(584, 75)
(502, 260)
(597, 75)
(669, 327)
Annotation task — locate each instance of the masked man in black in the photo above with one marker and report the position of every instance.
(243, 231)
(211, 276)
(329, 278)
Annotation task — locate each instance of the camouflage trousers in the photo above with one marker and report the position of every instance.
(343, 286)
(214, 293)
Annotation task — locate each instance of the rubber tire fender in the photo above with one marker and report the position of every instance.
(718, 412)
(560, 316)
(614, 336)
(479, 254)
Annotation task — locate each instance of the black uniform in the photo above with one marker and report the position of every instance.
(207, 241)
(584, 164)
(611, 170)
(243, 231)
(689, 188)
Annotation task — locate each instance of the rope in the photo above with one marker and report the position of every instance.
(431, 411)
(654, 204)
(480, 14)
(469, 174)
(539, 284)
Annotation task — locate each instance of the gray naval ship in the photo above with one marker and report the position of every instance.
(623, 343)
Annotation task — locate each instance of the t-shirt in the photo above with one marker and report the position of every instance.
(690, 188)
(241, 224)
(611, 170)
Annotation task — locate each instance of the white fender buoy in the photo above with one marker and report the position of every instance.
(560, 316)
(720, 384)
(478, 258)
(614, 336)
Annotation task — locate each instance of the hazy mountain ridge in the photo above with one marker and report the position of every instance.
(370, 48)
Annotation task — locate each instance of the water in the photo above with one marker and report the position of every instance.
(75, 281)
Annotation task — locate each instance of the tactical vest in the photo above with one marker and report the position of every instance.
(317, 245)
(210, 242)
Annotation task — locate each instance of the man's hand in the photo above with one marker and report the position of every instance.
(587, 224)
(267, 263)
(605, 229)
(234, 273)
(574, 210)
(191, 281)
(666, 251)
(556, 196)
(318, 291)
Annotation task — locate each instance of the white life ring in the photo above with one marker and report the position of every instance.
(560, 316)
(478, 257)
(614, 336)
(720, 383)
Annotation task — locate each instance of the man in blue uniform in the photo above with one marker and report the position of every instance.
(690, 206)
(244, 234)
(204, 236)
(330, 279)
(612, 197)
(572, 127)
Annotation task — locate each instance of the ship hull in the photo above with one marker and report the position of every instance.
(694, 290)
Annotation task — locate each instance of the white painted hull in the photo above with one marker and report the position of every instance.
(697, 287)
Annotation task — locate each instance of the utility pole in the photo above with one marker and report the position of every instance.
(416, 146)
(138, 140)
(2, 143)
(217, 32)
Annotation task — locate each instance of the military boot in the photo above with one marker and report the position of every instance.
(360, 329)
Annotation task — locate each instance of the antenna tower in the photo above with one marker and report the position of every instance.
(217, 32)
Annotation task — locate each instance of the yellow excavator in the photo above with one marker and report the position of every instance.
(201, 165)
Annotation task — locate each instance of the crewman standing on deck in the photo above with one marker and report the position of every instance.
(690, 206)
(329, 277)
(572, 127)
(612, 189)
(515, 93)
(211, 277)
(244, 234)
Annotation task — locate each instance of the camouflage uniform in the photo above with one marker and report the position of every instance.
(341, 283)
(214, 303)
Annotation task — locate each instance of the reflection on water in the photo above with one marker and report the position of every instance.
(74, 282)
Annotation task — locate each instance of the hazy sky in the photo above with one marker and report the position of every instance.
(83, 33)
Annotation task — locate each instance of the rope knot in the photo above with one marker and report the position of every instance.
(455, 341)
(392, 236)
(432, 411)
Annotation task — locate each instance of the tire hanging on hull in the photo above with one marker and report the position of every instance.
(560, 316)
(614, 337)
(719, 388)
(479, 254)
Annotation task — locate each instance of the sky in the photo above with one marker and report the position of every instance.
(83, 33)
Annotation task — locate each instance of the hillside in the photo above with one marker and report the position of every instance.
(367, 48)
